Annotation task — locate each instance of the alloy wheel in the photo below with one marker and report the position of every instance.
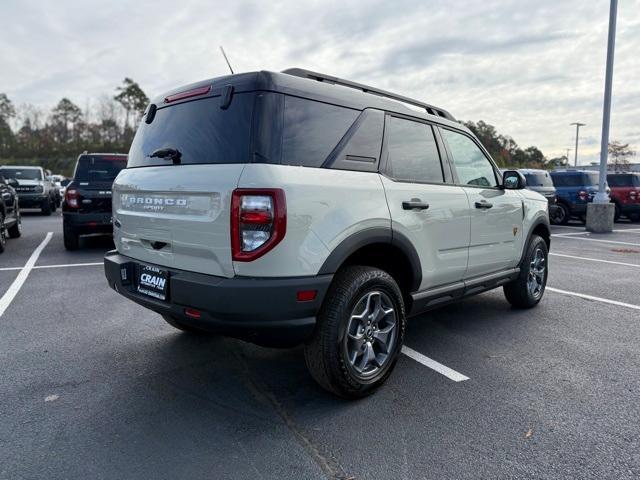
(537, 269)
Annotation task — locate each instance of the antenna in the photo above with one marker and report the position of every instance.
(226, 59)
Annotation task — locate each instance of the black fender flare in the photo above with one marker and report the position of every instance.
(372, 236)
(537, 222)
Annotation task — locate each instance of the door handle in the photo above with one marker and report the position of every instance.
(484, 204)
(414, 204)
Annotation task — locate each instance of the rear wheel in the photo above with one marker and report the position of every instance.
(15, 230)
(562, 215)
(46, 207)
(616, 216)
(71, 238)
(359, 333)
(527, 290)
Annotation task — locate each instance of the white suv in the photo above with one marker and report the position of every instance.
(293, 207)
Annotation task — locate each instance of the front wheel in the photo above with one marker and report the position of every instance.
(359, 332)
(527, 290)
(46, 207)
(15, 230)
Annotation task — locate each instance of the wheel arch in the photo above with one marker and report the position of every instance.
(539, 227)
(382, 248)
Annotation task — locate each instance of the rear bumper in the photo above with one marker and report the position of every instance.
(260, 310)
(579, 208)
(88, 223)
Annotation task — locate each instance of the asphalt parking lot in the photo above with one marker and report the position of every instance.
(94, 386)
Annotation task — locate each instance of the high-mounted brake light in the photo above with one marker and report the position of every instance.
(258, 222)
(72, 197)
(196, 92)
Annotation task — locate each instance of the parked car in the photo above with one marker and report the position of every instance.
(86, 209)
(34, 190)
(574, 190)
(271, 207)
(540, 181)
(56, 180)
(10, 220)
(625, 193)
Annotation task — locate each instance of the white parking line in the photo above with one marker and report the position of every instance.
(15, 287)
(5, 269)
(432, 364)
(595, 240)
(595, 299)
(595, 260)
(569, 234)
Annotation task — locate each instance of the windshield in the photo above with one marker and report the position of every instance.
(200, 130)
(539, 179)
(99, 168)
(22, 173)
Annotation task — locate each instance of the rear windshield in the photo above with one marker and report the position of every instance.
(623, 180)
(99, 168)
(539, 179)
(22, 173)
(200, 130)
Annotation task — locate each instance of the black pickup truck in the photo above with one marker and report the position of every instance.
(86, 209)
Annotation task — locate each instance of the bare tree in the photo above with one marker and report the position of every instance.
(620, 154)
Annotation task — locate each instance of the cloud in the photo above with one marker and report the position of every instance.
(528, 67)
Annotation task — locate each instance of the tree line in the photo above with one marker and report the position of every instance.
(53, 139)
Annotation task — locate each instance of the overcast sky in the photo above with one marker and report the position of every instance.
(528, 67)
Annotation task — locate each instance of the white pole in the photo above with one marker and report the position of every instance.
(602, 196)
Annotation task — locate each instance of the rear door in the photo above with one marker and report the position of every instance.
(427, 210)
(173, 209)
(496, 214)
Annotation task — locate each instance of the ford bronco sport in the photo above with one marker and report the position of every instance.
(34, 189)
(296, 207)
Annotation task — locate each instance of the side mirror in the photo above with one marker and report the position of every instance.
(513, 180)
(12, 182)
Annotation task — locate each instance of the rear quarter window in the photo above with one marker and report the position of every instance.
(312, 130)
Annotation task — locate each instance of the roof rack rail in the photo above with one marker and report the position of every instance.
(321, 77)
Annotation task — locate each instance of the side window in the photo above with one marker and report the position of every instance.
(471, 164)
(413, 152)
(312, 130)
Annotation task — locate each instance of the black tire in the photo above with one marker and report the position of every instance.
(3, 233)
(15, 231)
(518, 292)
(54, 205)
(183, 326)
(562, 216)
(616, 215)
(326, 352)
(46, 207)
(71, 238)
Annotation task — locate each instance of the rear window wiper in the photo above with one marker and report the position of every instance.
(169, 153)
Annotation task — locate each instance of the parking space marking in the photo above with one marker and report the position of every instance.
(595, 299)
(594, 260)
(15, 287)
(595, 240)
(432, 364)
(37, 267)
(569, 234)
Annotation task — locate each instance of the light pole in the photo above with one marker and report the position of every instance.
(578, 125)
(568, 150)
(601, 212)
(602, 196)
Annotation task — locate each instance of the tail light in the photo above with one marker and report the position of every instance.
(633, 195)
(258, 222)
(72, 197)
(583, 195)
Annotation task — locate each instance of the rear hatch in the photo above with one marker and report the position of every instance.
(172, 203)
(93, 181)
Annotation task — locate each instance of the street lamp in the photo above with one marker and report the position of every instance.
(578, 125)
(568, 150)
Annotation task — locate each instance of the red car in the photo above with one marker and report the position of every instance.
(625, 193)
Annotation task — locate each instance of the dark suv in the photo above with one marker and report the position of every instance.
(10, 222)
(575, 189)
(625, 193)
(86, 209)
(540, 181)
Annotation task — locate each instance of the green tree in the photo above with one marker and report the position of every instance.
(6, 108)
(63, 116)
(7, 138)
(132, 99)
